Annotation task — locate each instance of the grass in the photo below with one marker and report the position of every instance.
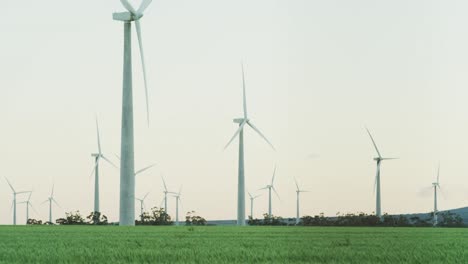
(112, 244)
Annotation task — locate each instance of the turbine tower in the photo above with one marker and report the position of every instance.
(97, 157)
(298, 191)
(252, 198)
(271, 187)
(379, 159)
(50, 200)
(241, 177)
(142, 204)
(14, 199)
(436, 185)
(177, 197)
(127, 163)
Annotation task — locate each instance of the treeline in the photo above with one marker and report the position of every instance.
(157, 216)
(445, 219)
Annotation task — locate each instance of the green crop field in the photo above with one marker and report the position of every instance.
(112, 244)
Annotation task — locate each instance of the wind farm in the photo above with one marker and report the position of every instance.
(375, 91)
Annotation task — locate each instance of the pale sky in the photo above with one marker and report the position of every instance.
(317, 73)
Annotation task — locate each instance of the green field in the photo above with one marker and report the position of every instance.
(112, 244)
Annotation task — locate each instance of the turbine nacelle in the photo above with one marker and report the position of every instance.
(239, 120)
(126, 16)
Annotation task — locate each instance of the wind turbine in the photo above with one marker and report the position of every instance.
(28, 204)
(379, 159)
(50, 200)
(14, 199)
(241, 177)
(166, 191)
(177, 197)
(252, 198)
(97, 157)
(127, 163)
(142, 203)
(298, 191)
(271, 187)
(436, 185)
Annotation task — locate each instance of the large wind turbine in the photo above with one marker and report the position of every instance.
(97, 157)
(379, 159)
(298, 191)
(142, 204)
(50, 200)
(252, 198)
(436, 185)
(271, 187)
(241, 177)
(14, 199)
(28, 204)
(177, 197)
(127, 163)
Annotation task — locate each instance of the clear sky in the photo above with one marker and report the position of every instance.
(317, 73)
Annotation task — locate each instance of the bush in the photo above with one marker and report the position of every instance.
(192, 219)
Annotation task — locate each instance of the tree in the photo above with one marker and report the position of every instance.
(96, 218)
(192, 219)
(157, 216)
(71, 219)
(34, 222)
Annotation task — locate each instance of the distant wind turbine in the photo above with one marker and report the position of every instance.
(177, 197)
(241, 178)
(127, 164)
(252, 198)
(142, 204)
(436, 186)
(271, 187)
(50, 200)
(14, 199)
(166, 191)
(28, 204)
(379, 159)
(97, 157)
(298, 191)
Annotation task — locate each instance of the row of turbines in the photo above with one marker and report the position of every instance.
(127, 161)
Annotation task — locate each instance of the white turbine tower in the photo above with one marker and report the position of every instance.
(436, 185)
(241, 177)
(271, 187)
(177, 197)
(252, 198)
(142, 204)
(298, 191)
(127, 163)
(50, 200)
(97, 157)
(14, 199)
(379, 159)
(28, 204)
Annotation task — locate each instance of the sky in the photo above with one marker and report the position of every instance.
(317, 73)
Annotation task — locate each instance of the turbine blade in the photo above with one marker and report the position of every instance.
(297, 185)
(52, 193)
(438, 174)
(277, 195)
(180, 190)
(45, 201)
(29, 197)
(98, 137)
(250, 195)
(164, 182)
(56, 203)
(11, 186)
(144, 169)
(260, 133)
(34, 209)
(142, 56)
(94, 168)
(389, 158)
(274, 174)
(244, 96)
(146, 195)
(128, 6)
(375, 145)
(143, 6)
(263, 188)
(257, 196)
(375, 185)
(110, 162)
(235, 134)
